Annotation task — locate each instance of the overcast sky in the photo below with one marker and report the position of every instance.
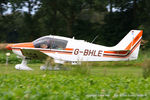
(24, 9)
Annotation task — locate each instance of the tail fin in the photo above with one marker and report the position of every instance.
(131, 42)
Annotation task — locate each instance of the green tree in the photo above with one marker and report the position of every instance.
(69, 10)
(128, 15)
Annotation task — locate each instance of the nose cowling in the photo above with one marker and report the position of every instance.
(9, 47)
(20, 45)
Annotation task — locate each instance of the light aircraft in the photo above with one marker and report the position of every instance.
(63, 49)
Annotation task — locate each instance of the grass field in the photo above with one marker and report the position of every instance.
(111, 82)
(102, 80)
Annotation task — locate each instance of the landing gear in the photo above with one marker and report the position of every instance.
(50, 65)
(44, 67)
(56, 67)
(23, 65)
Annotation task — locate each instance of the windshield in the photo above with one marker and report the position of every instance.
(50, 43)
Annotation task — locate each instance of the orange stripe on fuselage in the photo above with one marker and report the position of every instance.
(116, 52)
(70, 49)
(134, 41)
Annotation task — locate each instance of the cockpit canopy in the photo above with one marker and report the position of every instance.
(50, 43)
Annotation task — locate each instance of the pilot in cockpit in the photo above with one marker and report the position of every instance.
(44, 46)
(50, 43)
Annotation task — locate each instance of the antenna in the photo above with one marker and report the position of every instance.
(95, 38)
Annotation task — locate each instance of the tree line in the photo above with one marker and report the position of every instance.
(109, 20)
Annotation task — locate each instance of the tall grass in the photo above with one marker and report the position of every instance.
(84, 69)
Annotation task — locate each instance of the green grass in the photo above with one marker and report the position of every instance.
(112, 82)
(96, 80)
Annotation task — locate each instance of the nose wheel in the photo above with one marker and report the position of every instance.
(23, 65)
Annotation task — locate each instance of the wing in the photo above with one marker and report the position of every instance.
(33, 54)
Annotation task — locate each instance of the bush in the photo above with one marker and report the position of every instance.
(146, 68)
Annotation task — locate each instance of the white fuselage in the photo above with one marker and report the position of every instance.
(80, 50)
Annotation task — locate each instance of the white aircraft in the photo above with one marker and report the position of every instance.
(62, 49)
